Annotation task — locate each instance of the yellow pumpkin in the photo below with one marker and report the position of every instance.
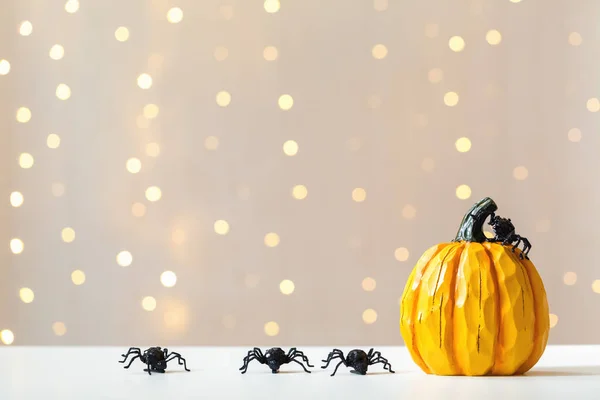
(474, 306)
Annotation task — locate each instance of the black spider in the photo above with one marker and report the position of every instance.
(155, 358)
(275, 358)
(504, 232)
(357, 359)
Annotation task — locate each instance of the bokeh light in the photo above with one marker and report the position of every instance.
(150, 111)
(463, 192)
(435, 75)
(59, 328)
(271, 239)
(133, 165)
(369, 316)
(26, 295)
(53, 141)
(25, 160)
(409, 211)
(596, 286)
(4, 67)
(593, 104)
(56, 52)
(299, 192)
(380, 5)
(575, 39)
(152, 149)
(287, 287)
(221, 227)
(290, 148)
(149, 303)
(153, 193)
(379, 51)
(359, 195)
(285, 102)
(520, 173)
(221, 53)
(570, 278)
(463, 144)
(369, 284)
(16, 199)
(25, 28)
(574, 135)
(553, 320)
(16, 246)
(175, 15)
(122, 34)
(58, 189)
(71, 6)
(211, 143)
(178, 236)
(401, 254)
(23, 115)
(78, 277)
(63, 91)
(144, 81)
(271, 328)
(451, 99)
(138, 209)
(68, 234)
(456, 43)
(223, 98)
(168, 279)
(272, 6)
(493, 37)
(7, 336)
(124, 258)
(270, 53)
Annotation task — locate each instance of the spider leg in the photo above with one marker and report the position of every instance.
(374, 355)
(300, 354)
(526, 248)
(148, 364)
(337, 366)
(302, 365)
(371, 354)
(134, 350)
(177, 356)
(131, 361)
(251, 356)
(384, 361)
(333, 355)
(259, 355)
(519, 239)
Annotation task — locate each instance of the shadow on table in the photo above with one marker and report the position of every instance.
(593, 370)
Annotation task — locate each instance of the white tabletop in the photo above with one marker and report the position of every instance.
(88, 373)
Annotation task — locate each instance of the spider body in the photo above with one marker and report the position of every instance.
(274, 358)
(155, 358)
(504, 231)
(358, 360)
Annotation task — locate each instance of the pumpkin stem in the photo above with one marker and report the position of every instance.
(471, 227)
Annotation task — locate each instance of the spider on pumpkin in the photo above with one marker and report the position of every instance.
(155, 358)
(357, 359)
(504, 232)
(275, 358)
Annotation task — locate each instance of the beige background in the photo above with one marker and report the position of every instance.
(380, 124)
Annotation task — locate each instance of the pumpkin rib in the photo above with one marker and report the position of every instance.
(442, 261)
(515, 258)
(496, 283)
(540, 309)
(414, 350)
(452, 299)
